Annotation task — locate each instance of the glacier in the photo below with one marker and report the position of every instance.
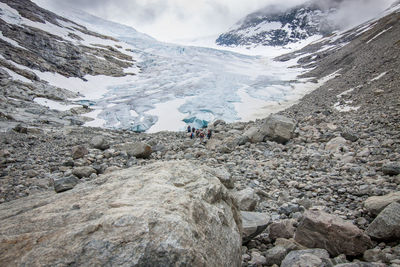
(179, 85)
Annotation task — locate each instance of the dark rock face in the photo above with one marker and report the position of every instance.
(272, 27)
(66, 183)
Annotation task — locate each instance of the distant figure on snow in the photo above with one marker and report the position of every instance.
(193, 129)
(189, 129)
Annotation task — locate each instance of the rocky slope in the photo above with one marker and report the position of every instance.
(35, 40)
(273, 27)
(327, 186)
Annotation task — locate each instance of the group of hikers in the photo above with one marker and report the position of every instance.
(193, 133)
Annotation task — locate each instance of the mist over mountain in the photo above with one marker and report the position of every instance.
(276, 25)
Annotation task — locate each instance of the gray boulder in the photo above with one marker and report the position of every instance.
(318, 229)
(137, 150)
(100, 142)
(162, 214)
(78, 152)
(275, 255)
(253, 135)
(84, 171)
(276, 128)
(376, 204)
(65, 183)
(282, 229)
(224, 176)
(336, 144)
(391, 169)
(307, 257)
(247, 199)
(289, 244)
(387, 225)
(254, 223)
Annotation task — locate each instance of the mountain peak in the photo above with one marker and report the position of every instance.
(274, 26)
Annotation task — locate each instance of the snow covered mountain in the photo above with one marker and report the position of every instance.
(272, 26)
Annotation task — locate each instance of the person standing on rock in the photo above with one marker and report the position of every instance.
(209, 134)
(201, 136)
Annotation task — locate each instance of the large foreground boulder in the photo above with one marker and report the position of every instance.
(162, 214)
(276, 128)
(318, 229)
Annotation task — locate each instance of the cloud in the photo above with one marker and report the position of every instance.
(353, 12)
(169, 20)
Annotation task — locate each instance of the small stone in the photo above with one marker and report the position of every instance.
(257, 259)
(21, 129)
(391, 169)
(349, 136)
(100, 142)
(81, 172)
(64, 184)
(78, 152)
(247, 199)
(336, 144)
(282, 229)
(374, 255)
(289, 244)
(308, 257)
(275, 255)
(253, 224)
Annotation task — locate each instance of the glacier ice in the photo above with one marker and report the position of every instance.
(208, 80)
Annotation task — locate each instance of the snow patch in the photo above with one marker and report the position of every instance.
(10, 41)
(51, 104)
(9, 15)
(345, 107)
(379, 34)
(379, 76)
(16, 76)
(345, 93)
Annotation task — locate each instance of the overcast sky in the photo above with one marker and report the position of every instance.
(170, 20)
